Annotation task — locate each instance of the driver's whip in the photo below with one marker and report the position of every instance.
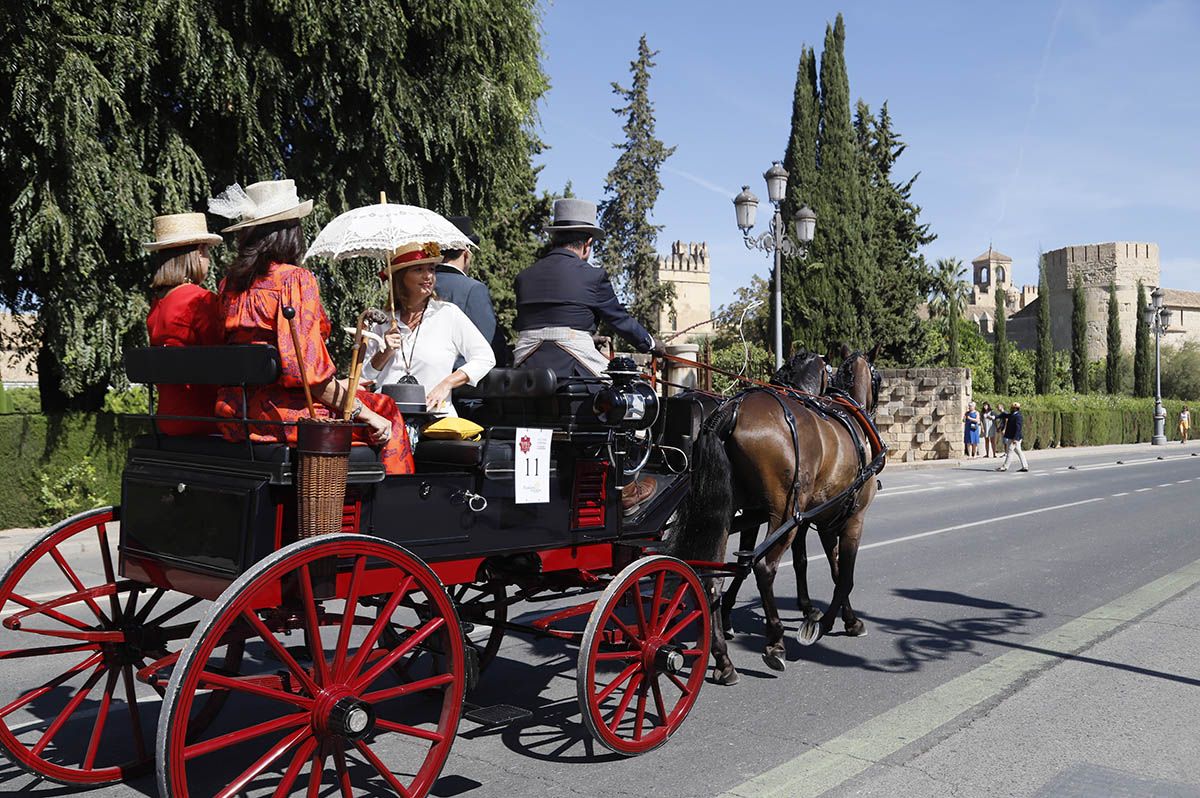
(289, 313)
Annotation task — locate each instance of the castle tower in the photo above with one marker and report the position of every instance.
(687, 268)
(992, 268)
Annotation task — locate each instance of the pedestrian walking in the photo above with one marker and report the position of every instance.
(989, 430)
(1013, 432)
(998, 430)
(1185, 423)
(971, 421)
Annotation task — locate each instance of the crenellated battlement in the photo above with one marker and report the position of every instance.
(685, 257)
(686, 268)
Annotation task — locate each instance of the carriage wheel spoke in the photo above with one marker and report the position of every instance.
(284, 788)
(41, 608)
(672, 608)
(395, 654)
(683, 624)
(135, 716)
(407, 689)
(69, 573)
(368, 642)
(343, 641)
(411, 731)
(382, 769)
(683, 688)
(632, 635)
(89, 759)
(109, 573)
(211, 679)
(603, 656)
(144, 613)
(284, 655)
(630, 692)
(240, 736)
(643, 627)
(312, 625)
(279, 749)
(46, 687)
(44, 651)
(617, 682)
(67, 711)
(182, 606)
(316, 772)
(658, 700)
(640, 717)
(659, 583)
(343, 769)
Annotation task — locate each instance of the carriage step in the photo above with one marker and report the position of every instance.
(497, 715)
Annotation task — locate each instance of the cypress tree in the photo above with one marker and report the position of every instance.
(1112, 360)
(1000, 347)
(1142, 359)
(803, 280)
(108, 119)
(631, 189)
(1044, 360)
(1079, 360)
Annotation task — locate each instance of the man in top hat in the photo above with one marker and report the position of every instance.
(560, 301)
(454, 285)
(562, 298)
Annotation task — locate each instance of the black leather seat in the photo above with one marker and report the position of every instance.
(464, 454)
(214, 446)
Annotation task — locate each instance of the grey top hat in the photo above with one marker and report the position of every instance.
(576, 216)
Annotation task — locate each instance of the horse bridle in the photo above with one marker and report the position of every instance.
(843, 380)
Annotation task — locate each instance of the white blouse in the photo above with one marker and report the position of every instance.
(429, 352)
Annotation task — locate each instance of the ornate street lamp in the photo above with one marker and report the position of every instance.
(776, 239)
(1157, 317)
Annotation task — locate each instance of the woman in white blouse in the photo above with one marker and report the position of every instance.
(429, 335)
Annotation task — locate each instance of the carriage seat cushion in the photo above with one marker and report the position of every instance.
(234, 364)
(463, 454)
(511, 384)
(216, 446)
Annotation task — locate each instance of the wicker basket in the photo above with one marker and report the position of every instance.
(324, 448)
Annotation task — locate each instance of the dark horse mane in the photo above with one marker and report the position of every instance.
(798, 373)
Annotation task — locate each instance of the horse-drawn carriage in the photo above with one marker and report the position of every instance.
(273, 660)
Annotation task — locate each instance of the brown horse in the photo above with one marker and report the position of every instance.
(764, 452)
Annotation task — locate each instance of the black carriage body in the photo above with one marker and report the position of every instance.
(200, 511)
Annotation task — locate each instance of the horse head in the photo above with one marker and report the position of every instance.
(858, 378)
(804, 371)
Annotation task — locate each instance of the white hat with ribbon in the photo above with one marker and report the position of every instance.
(260, 203)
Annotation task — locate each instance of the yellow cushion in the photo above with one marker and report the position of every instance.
(453, 428)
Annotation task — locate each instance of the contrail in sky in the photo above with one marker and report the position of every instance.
(700, 181)
(1037, 95)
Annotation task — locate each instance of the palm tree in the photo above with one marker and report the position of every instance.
(948, 299)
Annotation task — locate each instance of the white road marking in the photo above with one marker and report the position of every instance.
(1123, 493)
(1182, 481)
(1165, 485)
(1142, 490)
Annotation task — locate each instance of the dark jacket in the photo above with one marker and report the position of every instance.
(1012, 423)
(473, 299)
(563, 290)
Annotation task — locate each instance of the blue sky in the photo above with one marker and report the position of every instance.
(1033, 124)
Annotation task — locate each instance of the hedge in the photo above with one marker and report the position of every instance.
(49, 456)
(1073, 420)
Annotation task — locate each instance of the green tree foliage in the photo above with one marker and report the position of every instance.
(947, 301)
(630, 191)
(1044, 371)
(748, 314)
(1079, 361)
(107, 119)
(1112, 360)
(803, 279)
(1000, 348)
(1181, 373)
(1143, 358)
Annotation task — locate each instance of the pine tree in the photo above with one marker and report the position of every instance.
(1044, 359)
(109, 119)
(1000, 347)
(804, 281)
(631, 189)
(1079, 360)
(1142, 358)
(1112, 360)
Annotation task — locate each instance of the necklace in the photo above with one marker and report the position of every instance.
(415, 327)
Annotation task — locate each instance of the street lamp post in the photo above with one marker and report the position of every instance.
(1157, 317)
(776, 239)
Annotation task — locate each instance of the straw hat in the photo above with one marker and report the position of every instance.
(179, 230)
(260, 203)
(412, 255)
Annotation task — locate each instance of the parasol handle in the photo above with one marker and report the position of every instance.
(383, 198)
(289, 313)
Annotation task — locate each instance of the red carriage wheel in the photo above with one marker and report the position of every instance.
(483, 604)
(340, 702)
(644, 655)
(87, 719)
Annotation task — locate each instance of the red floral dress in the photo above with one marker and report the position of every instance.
(255, 316)
(187, 316)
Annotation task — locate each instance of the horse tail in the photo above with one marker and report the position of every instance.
(704, 520)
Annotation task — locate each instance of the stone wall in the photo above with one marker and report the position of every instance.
(920, 412)
(687, 267)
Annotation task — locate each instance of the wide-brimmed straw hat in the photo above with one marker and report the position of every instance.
(575, 216)
(412, 255)
(260, 203)
(179, 230)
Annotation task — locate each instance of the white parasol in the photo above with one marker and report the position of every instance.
(377, 230)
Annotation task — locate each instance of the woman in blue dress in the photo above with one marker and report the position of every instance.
(971, 421)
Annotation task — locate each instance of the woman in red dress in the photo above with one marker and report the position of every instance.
(182, 313)
(260, 283)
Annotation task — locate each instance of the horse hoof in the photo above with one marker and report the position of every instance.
(856, 629)
(809, 633)
(812, 614)
(728, 677)
(728, 634)
(774, 661)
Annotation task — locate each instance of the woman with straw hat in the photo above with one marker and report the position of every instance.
(429, 336)
(182, 312)
(262, 280)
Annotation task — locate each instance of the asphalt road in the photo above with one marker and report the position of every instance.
(959, 567)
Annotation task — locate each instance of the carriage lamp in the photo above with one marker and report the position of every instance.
(1157, 317)
(629, 403)
(776, 240)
